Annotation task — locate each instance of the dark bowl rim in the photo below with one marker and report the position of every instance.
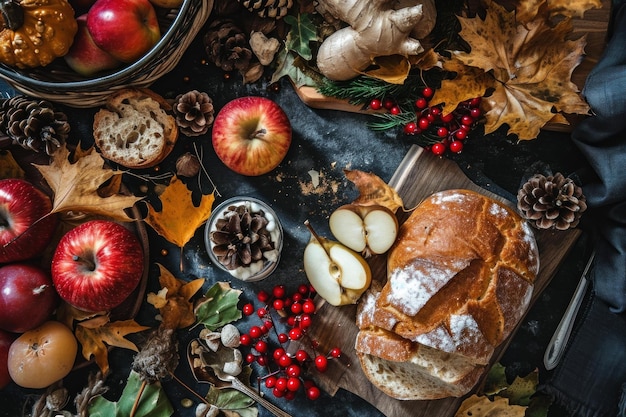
(105, 80)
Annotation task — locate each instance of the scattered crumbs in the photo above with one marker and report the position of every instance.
(279, 177)
(315, 178)
(333, 164)
(322, 186)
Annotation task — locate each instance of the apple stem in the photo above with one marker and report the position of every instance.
(258, 133)
(316, 236)
(87, 262)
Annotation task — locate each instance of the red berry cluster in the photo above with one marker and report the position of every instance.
(439, 131)
(285, 372)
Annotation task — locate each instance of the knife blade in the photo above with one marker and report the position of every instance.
(556, 347)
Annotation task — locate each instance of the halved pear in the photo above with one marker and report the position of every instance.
(338, 274)
(370, 230)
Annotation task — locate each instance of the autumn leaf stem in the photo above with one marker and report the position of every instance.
(188, 388)
(138, 398)
(181, 260)
(199, 155)
(29, 227)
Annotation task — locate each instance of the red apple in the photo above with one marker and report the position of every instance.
(251, 135)
(126, 29)
(6, 339)
(97, 265)
(27, 297)
(24, 232)
(84, 56)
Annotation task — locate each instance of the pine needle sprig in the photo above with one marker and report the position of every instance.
(362, 89)
(386, 121)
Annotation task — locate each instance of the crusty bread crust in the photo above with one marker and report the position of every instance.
(459, 279)
(135, 129)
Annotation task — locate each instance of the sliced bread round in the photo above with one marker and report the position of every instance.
(135, 129)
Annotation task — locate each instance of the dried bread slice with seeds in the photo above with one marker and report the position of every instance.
(136, 129)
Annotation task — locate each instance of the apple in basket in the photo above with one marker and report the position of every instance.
(126, 29)
(84, 56)
(24, 231)
(97, 265)
(251, 135)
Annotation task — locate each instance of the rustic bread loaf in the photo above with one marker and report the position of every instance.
(459, 279)
(407, 370)
(135, 129)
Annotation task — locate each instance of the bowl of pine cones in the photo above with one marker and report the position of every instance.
(57, 82)
(244, 237)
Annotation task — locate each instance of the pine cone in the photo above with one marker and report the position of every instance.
(552, 202)
(33, 124)
(194, 112)
(241, 237)
(227, 46)
(275, 9)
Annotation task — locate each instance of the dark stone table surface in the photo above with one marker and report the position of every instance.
(327, 141)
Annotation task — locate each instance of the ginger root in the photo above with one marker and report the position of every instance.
(376, 28)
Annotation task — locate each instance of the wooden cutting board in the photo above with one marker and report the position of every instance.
(419, 175)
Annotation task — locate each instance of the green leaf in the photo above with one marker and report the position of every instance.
(218, 306)
(522, 389)
(303, 32)
(496, 380)
(229, 399)
(153, 401)
(539, 406)
(288, 64)
(518, 392)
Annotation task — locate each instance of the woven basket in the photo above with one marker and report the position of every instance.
(57, 82)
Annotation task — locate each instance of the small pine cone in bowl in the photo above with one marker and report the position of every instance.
(194, 112)
(243, 237)
(551, 202)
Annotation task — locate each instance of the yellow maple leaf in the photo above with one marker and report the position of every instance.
(76, 185)
(179, 218)
(373, 190)
(528, 68)
(96, 334)
(173, 300)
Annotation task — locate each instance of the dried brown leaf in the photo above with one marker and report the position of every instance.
(530, 65)
(173, 300)
(96, 334)
(9, 168)
(476, 406)
(373, 190)
(76, 184)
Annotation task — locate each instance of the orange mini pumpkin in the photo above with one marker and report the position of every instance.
(35, 32)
